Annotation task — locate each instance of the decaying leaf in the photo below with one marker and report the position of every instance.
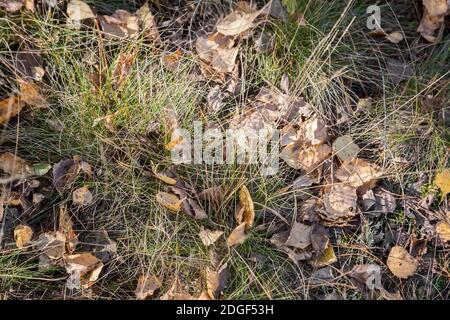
(434, 13)
(122, 67)
(401, 263)
(340, 202)
(237, 236)
(78, 11)
(82, 196)
(215, 194)
(147, 22)
(345, 148)
(299, 236)
(163, 177)
(146, 286)
(100, 245)
(208, 237)
(369, 274)
(395, 37)
(14, 165)
(443, 230)
(315, 131)
(11, 5)
(83, 269)
(168, 200)
(246, 202)
(189, 205)
(357, 172)
(236, 23)
(52, 244)
(224, 59)
(65, 226)
(442, 180)
(22, 235)
(172, 60)
(65, 171)
(121, 24)
(216, 281)
(176, 292)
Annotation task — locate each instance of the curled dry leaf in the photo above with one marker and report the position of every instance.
(237, 236)
(146, 286)
(299, 236)
(208, 237)
(82, 196)
(357, 172)
(442, 180)
(168, 200)
(246, 202)
(83, 269)
(65, 226)
(22, 235)
(216, 281)
(236, 23)
(163, 177)
(401, 263)
(78, 11)
(434, 13)
(14, 165)
(345, 148)
(443, 230)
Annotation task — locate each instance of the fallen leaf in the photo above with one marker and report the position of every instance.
(82, 196)
(224, 59)
(172, 60)
(443, 230)
(146, 286)
(100, 245)
(29, 5)
(176, 292)
(147, 22)
(369, 274)
(65, 173)
(28, 64)
(442, 181)
(22, 235)
(215, 194)
(246, 203)
(11, 5)
(433, 17)
(326, 258)
(122, 68)
(208, 237)
(216, 281)
(236, 23)
(168, 200)
(65, 226)
(14, 165)
(189, 205)
(345, 148)
(237, 236)
(398, 70)
(52, 244)
(395, 37)
(163, 177)
(340, 202)
(77, 11)
(357, 172)
(83, 269)
(401, 263)
(299, 236)
(315, 131)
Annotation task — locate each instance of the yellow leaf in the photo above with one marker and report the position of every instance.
(443, 230)
(401, 263)
(22, 235)
(237, 236)
(246, 202)
(170, 201)
(442, 180)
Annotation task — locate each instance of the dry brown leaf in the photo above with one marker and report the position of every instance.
(204, 296)
(300, 236)
(52, 244)
(216, 281)
(369, 274)
(176, 292)
(345, 148)
(315, 131)
(65, 226)
(82, 196)
(122, 68)
(9, 108)
(172, 60)
(208, 237)
(11, 5)
(14, 165)
(65, 173)
(22, 235)
(357, 172)
(401, 263)
(147, 22)
(433, 17)
(224, 60)
(246, 202)
(29, 5)
(442, 180)
(340, 202)
(168, 200)
(395, 37)
(236, 23)
(206, 46)
(237, 236)
(146, 286)
(443, 230)
(77, 11)
(215, 194)
(83, 269)
(163, 177)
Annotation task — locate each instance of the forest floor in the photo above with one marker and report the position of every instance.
(93, 96)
